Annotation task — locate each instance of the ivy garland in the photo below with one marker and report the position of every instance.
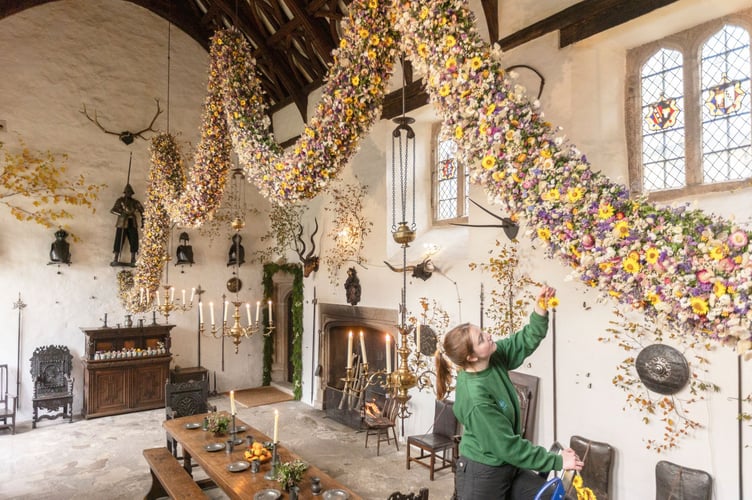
(297, 324)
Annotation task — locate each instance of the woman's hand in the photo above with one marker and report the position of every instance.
(571, 460)
(546, 293)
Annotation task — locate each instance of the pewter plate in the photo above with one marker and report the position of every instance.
(241, 428)
(193, 425)
(214, 447)
(238, 466)
(335, 495)
(268, 494)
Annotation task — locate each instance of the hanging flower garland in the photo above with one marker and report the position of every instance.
(684, 267)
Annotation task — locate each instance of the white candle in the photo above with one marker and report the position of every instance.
(159, 302)
(193, 293)
(248, 311)
(232, 402)
(148, 298)
(417, 339)
(388, 353)
(271, 321)
(224, 317)
(363, 347)
(211, 311)
(183, 296)
(349, 349)
(172, 295)
(276, 426)
(258, 307)
(200, 312)
(141, 297)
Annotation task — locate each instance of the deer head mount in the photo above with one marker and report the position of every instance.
(424, 270)
(125, 136)
(310, 262)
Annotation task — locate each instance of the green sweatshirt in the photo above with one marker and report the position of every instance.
(487, 406)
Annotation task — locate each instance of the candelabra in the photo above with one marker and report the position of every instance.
(237, 332)
(169, 304)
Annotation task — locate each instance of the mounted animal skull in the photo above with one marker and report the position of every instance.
(310, 262)
(125, 136)
(424, 270)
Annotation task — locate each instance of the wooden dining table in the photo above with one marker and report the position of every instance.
(243, 484)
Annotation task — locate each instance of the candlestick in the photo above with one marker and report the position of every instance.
(363, 348)
(271, 321)
(388, 354)
(349, 349)
(276, 426)
(248, 311)
(232, 402)
(258, 306)
(211, 311)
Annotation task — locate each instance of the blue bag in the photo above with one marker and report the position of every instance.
(558, 489)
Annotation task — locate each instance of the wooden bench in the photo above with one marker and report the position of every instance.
(169, 478)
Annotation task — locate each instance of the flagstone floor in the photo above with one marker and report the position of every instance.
(102, 458)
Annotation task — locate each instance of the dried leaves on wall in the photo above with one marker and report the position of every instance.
(350, 227)
(281, 236)
(35, 188)
(672, 411)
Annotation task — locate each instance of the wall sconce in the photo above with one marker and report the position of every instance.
(60, 248)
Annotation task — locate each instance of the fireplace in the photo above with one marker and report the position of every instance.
(336, 321)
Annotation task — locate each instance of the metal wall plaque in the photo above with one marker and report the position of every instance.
(662, 369)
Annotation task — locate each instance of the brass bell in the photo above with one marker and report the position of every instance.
(403, 235)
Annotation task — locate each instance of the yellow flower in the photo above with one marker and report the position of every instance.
(545, 153)
(718, 252)
(552, 194)
(375, 40)
(719, 289)
(450, 41)
(363, 33)
(458, 132)
(424, 12)
(631, 266)
(476, 62)
(444, 90)
(574, 194)
(355, 80)
(621, 229)
(491, 108)
(422, 50)
(605, 211)
(544, 233)
(450, 63)
(654, 298)
(488, 162)
(498, 175)
(651, 255)
(699, 305)
(372, 4)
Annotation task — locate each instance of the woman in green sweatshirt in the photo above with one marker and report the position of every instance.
(496, 462)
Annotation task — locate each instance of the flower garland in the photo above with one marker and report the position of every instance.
(687, 268)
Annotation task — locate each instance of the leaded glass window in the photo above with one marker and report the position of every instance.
(451, 182)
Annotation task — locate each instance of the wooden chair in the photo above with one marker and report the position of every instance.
(527, 393)
(674, 481)
(53, 384)
(421, 495)
(7, 402)
(381, 425)
(435, 446)
(183, 399)
(599, 461)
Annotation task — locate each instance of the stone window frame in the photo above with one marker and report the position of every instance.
(463, 192)
(689, 42)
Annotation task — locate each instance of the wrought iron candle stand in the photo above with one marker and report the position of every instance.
(234, 433)
(355, 385)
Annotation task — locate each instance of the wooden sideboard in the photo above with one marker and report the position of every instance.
(125, 369)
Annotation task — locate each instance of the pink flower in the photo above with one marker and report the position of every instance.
(727, 265)
(704, 276)
(738, 239)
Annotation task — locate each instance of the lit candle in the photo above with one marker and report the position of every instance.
(349, 349)
(248, 311)
(276, 426)
(172, 295)
(224, 317)
(232, 402)
(183, 296)
(159, 302)
(363, 347)
(193, 293)
(388, 353)
(141, 297)
(417, 339)
(271, 321)
(211, 311)
(200, 312)
(258, 306)
(148, 298)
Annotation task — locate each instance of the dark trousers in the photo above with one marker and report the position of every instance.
(477, 481)
(130, 232)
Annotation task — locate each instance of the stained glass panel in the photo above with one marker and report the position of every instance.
(662, 92)
(449, 202)
(726, 124)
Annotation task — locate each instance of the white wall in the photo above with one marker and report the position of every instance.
(112, 58)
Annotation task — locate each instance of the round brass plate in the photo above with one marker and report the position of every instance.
(234, 284)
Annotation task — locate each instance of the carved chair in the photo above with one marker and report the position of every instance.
(380, 425)
(53, 384)
(674, 481)
(183, 399)
(7, 402)
(527, 393)
(421, 495)
(599, 462)
(438, 449)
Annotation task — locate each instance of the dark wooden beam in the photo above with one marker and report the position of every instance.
(415, 97)
(491, 11)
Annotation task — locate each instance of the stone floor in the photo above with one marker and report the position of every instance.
(101, 458)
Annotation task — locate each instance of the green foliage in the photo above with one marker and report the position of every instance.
(282, 234)
(289, 474)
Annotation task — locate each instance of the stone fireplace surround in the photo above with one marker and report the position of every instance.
(334, 324)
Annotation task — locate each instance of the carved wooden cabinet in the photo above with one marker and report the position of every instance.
(125, 369)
